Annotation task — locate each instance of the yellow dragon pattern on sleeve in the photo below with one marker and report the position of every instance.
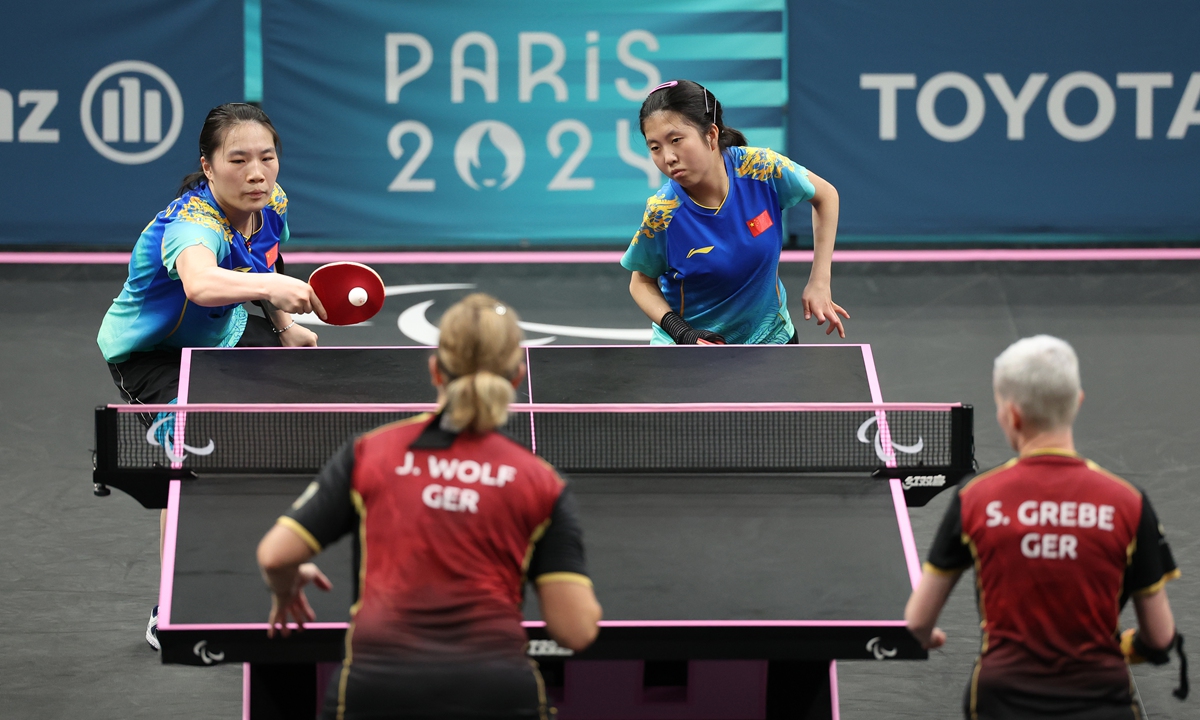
(659, 210)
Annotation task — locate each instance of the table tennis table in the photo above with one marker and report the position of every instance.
(744, 511)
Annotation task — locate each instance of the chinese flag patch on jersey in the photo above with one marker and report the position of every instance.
(272, 255)
(760, 224)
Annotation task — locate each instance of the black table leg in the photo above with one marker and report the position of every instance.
(282, 692)
(798, 690)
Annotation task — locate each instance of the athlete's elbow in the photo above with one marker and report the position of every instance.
(578, 632)
(577, 636)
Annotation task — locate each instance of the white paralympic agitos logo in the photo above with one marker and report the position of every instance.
(130, 115)
(878, 442)
(151, 437)
(201, 651)
(466, 152)
(875, 647)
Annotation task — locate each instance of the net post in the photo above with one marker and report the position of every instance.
(962, 446)
(104, 458)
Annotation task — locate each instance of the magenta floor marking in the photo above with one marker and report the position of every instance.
(522, 257)
(167, 578)
(906, 533)
(64, 258)
(833, 691)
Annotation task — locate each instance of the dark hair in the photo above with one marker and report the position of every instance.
(695, 104)
(218, 123)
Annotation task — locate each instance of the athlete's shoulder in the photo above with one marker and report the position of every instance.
(1119, 481)
(759, 163)
(194, 207)
(988, 477)
(660, 208)
(389, 434)
(278, 201)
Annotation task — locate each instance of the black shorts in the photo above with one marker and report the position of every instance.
(508, 690)
(1009, 704)
(152, 378)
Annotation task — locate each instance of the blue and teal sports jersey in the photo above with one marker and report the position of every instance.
(152, 312)
(719, 269)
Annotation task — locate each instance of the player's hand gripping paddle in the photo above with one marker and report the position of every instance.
(351, 292)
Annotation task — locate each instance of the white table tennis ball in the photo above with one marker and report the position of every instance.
(358, 297)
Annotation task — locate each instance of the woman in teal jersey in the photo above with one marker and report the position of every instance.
(213, 248)
(705, 260)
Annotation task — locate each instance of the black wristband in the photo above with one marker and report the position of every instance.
(674, 325)
(1152, 656)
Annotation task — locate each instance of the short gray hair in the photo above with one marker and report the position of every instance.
(1040, 375)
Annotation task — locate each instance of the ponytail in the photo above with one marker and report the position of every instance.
(477, 402)
(479, 353)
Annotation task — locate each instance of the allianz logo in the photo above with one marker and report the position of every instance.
(547, 648)
(913, 481)
(131, 112)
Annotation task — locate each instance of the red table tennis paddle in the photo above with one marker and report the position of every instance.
(702, 341)
(351, 292)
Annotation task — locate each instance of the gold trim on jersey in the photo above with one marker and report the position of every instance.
(395, 424)
(305, 535)
(1111, 476)
(1063, 452)
(544, 709)
(966, 540)
(567, 577)
(985, 475)
(179, 321)
(944, 572)
(538, 532)
(975, 688)
(1162, 582)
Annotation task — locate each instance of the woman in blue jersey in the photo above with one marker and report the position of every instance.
(705, 261)
(213, 248)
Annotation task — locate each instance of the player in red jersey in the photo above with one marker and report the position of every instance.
(1058, 546)
(452, 517)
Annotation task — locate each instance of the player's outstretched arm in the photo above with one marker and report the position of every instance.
(925, 604)
(208, 285)
(283, 559)
(817, 297)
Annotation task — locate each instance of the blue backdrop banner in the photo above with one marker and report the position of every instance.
(942, 118)
(432, 123)
(100, 107)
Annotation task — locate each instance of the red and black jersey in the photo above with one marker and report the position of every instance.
(1058, 545)
(449, 527)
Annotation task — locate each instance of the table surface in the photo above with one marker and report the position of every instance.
(559, 374)
(740, 553)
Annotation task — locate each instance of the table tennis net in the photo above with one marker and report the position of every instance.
(713, 438)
